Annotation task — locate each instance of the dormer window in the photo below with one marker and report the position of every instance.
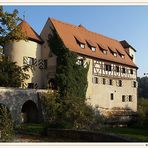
(113, 51)
(104, 51)
(80, 41)
(122, 56)
(115, 54)
(103, 48)
(121, 53)
(82, 45)
(93, 48)
(91, 45)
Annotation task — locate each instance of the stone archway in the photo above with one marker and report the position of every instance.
(29, 112)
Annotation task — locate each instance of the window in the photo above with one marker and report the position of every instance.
(30, 85)
(119, 83)
(82, 45)
(134, 84)
(104, 81)
(131, 71)
(104, 51)
(30, 61)
(79, 62)
(96, 80)
(108, 67)
(117, 68)
(93, 48)
(130, 98)
(123, 70)
(123, 98)
(110, 82)
(112, 96)
(115, 54)
(45, 64)
(122, 56)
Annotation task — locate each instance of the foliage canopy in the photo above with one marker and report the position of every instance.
(12, 75)
(9, 29)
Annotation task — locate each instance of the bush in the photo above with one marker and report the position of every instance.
(69, 113)
(6, 125)
(142, 114)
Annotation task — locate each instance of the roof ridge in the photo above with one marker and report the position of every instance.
(84, 29)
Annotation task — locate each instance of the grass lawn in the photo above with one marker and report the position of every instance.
(140, 134)
(32, 128)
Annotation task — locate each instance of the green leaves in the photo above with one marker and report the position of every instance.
(71, 78)
(9, 29)
(6, 125)
(11, 75)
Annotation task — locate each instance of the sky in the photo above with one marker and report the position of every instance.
(128, 23)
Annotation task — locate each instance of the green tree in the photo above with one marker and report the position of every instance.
(143, 87)
(6, 125)
(12, 75)
(9, 29)
(69, 113)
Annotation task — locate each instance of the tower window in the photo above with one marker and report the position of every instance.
(134, 83)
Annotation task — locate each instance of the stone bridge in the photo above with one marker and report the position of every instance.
(23, 104)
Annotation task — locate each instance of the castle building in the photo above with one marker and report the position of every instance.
(112, 71)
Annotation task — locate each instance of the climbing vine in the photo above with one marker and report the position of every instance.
(71, 78)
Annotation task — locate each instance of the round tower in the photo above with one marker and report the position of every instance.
(27, 52)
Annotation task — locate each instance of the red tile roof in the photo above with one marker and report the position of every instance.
(69, 33)
(30, 33)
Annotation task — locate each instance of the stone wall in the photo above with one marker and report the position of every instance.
(14, 99)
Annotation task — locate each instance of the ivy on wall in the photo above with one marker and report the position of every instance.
(71, 78)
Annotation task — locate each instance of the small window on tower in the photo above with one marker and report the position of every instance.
(30, 61)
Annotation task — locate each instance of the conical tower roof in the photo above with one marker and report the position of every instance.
(30, 33)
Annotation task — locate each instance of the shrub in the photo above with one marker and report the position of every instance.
(6, 125)
(69, 113)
